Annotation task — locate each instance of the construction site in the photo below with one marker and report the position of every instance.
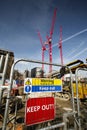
(37, 100)
(68, 100)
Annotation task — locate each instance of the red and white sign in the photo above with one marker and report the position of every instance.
(39, 110)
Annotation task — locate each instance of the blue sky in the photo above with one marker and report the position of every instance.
(20, 20)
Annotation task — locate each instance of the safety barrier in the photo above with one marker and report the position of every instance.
(64, 123)
(78, 119)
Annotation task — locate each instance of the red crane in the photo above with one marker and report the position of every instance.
(60, 46)
(49, 39)
(43, 49)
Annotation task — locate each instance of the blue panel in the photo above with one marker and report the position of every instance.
(46, 88)
(27, 89)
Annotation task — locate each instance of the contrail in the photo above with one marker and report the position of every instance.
(80, 53)
(79, 46)
(76, 34)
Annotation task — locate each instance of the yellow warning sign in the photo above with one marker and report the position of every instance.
(46, 81)
(27, 82)
(42, 85)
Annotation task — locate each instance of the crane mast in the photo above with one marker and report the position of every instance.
(49, 39)
(43, 49)
(60, 46)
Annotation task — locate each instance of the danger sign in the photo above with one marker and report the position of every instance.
(39, 110)
(27, 85)
(27, 82)
(42, 85)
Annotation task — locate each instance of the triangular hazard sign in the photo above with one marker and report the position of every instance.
(28, 82)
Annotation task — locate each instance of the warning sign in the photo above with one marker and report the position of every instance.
(42, 85)
(27, 85)
(46, 81)
(39, 110)
(28, 82)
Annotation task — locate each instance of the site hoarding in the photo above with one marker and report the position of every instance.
(39, 110)
(42, 85)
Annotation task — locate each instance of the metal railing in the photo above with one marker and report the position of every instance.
(9, 95)
(77, 97)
